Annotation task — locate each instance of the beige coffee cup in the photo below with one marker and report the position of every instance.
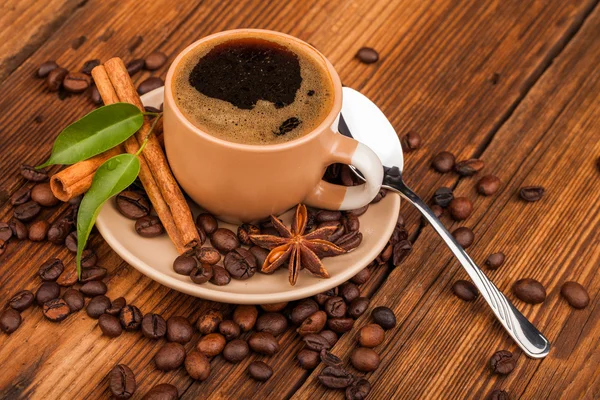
(245, 183)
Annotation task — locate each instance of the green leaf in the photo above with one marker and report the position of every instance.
(98, 131)
(114, 176)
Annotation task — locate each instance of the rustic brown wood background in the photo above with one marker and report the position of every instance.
(514, 82)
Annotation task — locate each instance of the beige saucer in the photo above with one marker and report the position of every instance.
(154, 257)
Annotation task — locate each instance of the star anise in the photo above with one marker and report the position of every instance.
(300, 250)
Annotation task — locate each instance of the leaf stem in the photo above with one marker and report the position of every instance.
(151, 114)
(158, 116)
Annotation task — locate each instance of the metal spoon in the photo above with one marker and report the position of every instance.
(362, 120)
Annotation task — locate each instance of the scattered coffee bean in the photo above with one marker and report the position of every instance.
(340, 325)
(532, 193)
(236, 350)
(153, 326)
(229, 329)
(32, 174)
(313, 324)
(362, 277)
(367, 55)
(465, 290)
(88, 258)
(274, 307)
(71, 242)
(122, 382)
(59, 230)
(22, 195)
(321, 298)
(110, 325)
(10, 320)
(246, 316)
(22, 300)
(371, 335)
(349, 291)
(224, 240)
(207, 222)
(308, 359)
(274, 323)
(5, 232)
(245, 230)
(335, 307)
(498, 395)
(130, 317)
(27, 211)
(45, 68)
(51, 269)
(46, 292)
(132, 205)
(197, 366)
(74, 299)
(411, 141)
(358, 211)
(95, 96)
(134, 66)
(240, 263)
(488, 185)
(349, 241)
(316, 342)
(149, 226)
(359, 390)
(502, 362)
(170, 356)
(92, 274)
(259, 371)
(19, 229)
(443, 162)
(464, 236)
(162, 391)
(335, 378)
(364, 359)
(116, 306)
(529, 291)
(460, 208)
(330, 359)
(150, 84)
(209, 321)
(358, 307)
(443, 196)
(495, 260)
(55, 78)
(384, 317)
(155, 60)
(263, 343)
(38, 230)
(76, 82)
(212, 344)
(575, 294)
(93, 288)
(220, 276)
(303, 310)
(98, 306)
(89, 65)
(179, 330)
(184, 264)
(208, 255)
(469, 167)
(201, 274)
(328, 216)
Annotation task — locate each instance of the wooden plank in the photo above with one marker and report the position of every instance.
(442, 345)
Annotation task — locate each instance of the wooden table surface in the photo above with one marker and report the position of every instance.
(514, 82)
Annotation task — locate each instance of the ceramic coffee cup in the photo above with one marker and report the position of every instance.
(245, 183)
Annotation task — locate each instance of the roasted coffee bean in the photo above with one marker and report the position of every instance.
(22, 300)
(350, 240)
(502, 362)
(179, 330)
(245, 316)
(488, 185)
(236, 350)
(46, 292)
(240, 263)
(55, 78)
(358, 307)
(56, 310)
(132, 205)
(2, 246)
(5, 232)
(110, 325)
(42, 194)
(122, 382)
(274, 307)
(358, 211)
(93, 288)
(116, 306)
(212, 344)
(401, 250)
(335, 307)
(88, 258)
(263, 343)
(411, 141)
(362, 277)
(10, 320)
(130, 317)
(367, 55)
(443, 196)
(464, 236)
(22, 195)
(27, 211)
(19, 229)
(274, 323)
(98, 306)
(162, 391)
(201, 274)
(330, 359)
(364, 359)
(316, 342)
(155, 60)
(328, 216)
(370, 335)
(303, 310)
(51, 269)
(220, 276)
(45, 68)
(359, 390)
(59, 230)
(460, 208)
(575, 294)
(92, 274)
(349, 291)
(74, 299)
(224, 240)
(351, 223)
(76, 82)
(337, 234)
(170, 356)
(207, 222)
(150, 84)
(465, 290)
(469, 167)
(259, 371)
(153, 326)
(532, 193)
(95, 96)
(184, 264)
(384, 317)
(149, 226)
(308, 359)
(197, 366)
(32, 174)
(443, 162)
(314, 323)
(89, 65)
(209, 321)
(498, 395)
(340, 325)
(229, 329)
(529, 291)
(208, 255)
(245, 230)
(335, 378)
(38, 230)
(134, 66)
(321, 298)
(495, 261)
(71, 242)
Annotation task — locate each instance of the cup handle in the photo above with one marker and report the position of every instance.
(336, 197)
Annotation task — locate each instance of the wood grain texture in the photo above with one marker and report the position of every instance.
(436, 77)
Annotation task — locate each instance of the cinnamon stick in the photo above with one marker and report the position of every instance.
(154, 155)
(109, 96)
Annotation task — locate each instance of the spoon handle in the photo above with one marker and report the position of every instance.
(533, 343)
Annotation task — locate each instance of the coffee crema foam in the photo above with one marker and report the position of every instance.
(242, 89)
